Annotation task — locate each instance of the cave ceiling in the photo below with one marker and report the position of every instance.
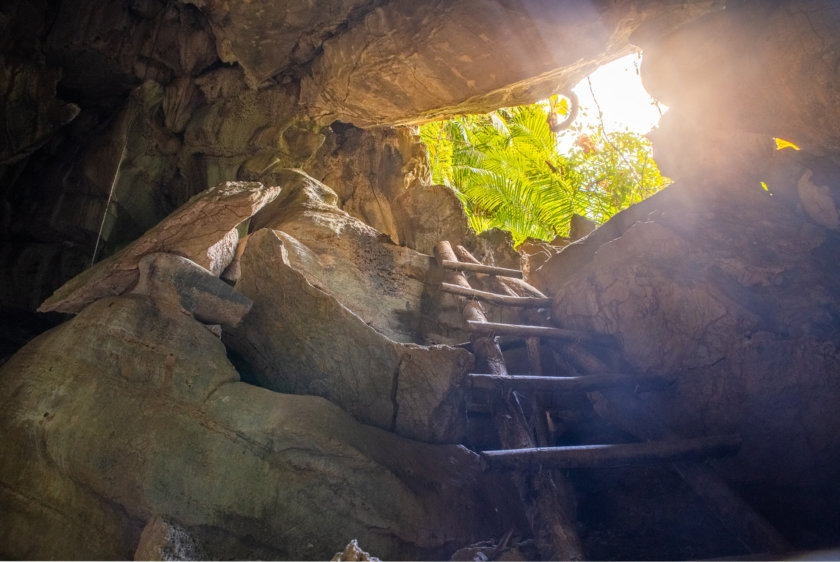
(346, 380)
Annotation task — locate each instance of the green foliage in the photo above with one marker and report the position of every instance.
(506, 169)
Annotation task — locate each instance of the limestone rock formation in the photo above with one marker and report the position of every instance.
(126, 431)
(177, 284)
(30, 112)
(336, 308)
(431, 213)
(266, 38)
(514, 53)
(381, 176)
(731, 289)
(786, 87)
(126, 413)
(202, 230)
(110, 48)
(370, 169)
(177, 96)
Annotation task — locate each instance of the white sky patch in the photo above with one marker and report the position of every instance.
(625, 104)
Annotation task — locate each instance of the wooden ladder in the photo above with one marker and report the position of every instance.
(535, 467)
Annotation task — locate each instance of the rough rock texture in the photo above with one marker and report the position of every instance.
(381, 176)
(535, 253)
(267, 37)
(108, 48)
(353, 552)
(202, 231)
(125, 414)
(380, 282)
(163, 540)
(178, 284)
(730, 288)
(335, 306)
(370, 169)
(31, 113)
(385, 69)
(787, 86)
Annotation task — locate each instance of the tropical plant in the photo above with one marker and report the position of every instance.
(506, 169)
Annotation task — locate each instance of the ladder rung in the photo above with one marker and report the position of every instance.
(481, 268)
(531, 302)
(603, 456)
(569, 384)
(496, 328)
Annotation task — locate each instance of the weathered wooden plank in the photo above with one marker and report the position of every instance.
(587, 383)
(523, 330)
(481, 268)
(513, 285)
(506, 300)
(603, 456)
(548, 501)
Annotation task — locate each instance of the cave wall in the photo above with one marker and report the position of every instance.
(727, 277)
(115, 114)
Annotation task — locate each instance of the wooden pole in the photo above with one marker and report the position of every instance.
(604, 456)
(454, 264)
(538, 419)
(506, 300)
(510, 285)
(586, 383)
(548, 504)
(488, 354)
(738, 517)
(524, 330)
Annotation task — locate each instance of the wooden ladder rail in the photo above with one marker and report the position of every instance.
(749, 527)
(548, 501)
(535, 299)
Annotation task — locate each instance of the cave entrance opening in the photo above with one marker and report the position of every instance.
(530, 169)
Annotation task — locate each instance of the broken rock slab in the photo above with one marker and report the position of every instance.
(202, 230)
(124, 414)
(359, 266)
(175, 283)
(736, 297)
(301, 339)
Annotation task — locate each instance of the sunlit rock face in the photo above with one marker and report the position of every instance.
(156, 101)
(382, 177)
(337, 309)
(739, 300)
(467, 56)
(758, 67)
(726, 279)
(128, 414)
(203, 230)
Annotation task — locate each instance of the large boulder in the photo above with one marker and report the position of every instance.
(129, 414)
(336, 309)
(514, 53)
(732, 292)
(758, 67)
(203, 230)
